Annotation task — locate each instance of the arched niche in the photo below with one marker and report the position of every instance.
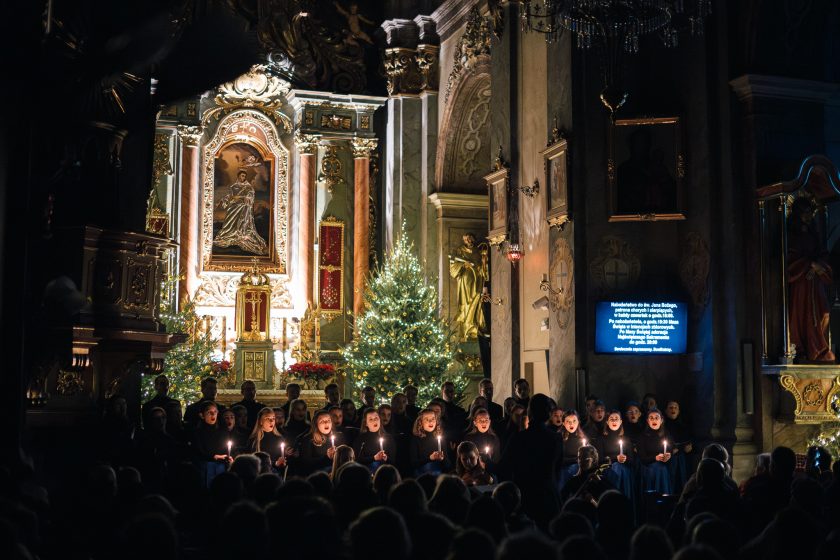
(464, 152)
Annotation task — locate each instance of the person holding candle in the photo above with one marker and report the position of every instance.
(682, 445)
(469, 466)
(428, 450)
(265, 437)
(654, 456)
(317, 448)
(481, 434)
(233, 433)
(209, 444)
(374, 446)
(615, 449)
(485, 389)
(350, 433)
(573, 439)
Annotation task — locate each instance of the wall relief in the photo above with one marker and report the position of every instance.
(694, 271)
(616, 266)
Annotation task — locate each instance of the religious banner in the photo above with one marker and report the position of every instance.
(331, 266)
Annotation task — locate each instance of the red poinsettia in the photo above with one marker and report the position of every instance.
(311, 370)
(221, 367)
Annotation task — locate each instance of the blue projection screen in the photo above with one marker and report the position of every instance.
(631, 327)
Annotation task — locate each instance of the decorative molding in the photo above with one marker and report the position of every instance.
(363, 147)
(403, 71)
(256, 89)
(219, 290)
(778, 87)
(428, 62)
(694, 271)
(616, 267)
(190, 135)
(473, 44)
(256, 127)
(562, 275)
(451, 15)
(332, 170)
(441, 200)
(306, 143)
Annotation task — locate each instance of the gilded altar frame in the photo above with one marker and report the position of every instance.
(665, 136)
(498, 186)
(253, 128)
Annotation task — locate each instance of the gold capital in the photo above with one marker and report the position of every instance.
(306, 143)
(363, 147)
(190, 135)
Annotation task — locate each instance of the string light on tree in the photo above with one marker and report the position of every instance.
(400, 338)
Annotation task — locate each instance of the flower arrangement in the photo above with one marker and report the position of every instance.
(220, 368)
(311, 371)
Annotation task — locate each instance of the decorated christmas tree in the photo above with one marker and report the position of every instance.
(400, 338)
(188, 362)
(829, 436)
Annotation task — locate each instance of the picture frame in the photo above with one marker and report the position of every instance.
(244, 220)
(498, 186)
(646, 169)
(556, 168)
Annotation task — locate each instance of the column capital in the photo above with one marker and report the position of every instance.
(427, 61)
(306, 143)
(190, 135)
(363, 147)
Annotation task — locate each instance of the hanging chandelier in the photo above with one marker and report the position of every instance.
(614, 27)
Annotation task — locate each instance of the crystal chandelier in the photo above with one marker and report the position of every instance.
(614, 27)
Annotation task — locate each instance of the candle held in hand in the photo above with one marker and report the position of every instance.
(332, 439)
(664, 447)
(584, 442)
(381, 444)
(282, 449)
(487, 450)
(620, 447)
(230, 445)
(439, 447)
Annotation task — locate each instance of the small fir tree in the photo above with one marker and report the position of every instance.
(400, 338)
(829, 436)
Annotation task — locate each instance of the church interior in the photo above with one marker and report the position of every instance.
(606, 207)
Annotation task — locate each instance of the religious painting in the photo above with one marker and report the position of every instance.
(242, 202)
(645, 169)
(245, 196)
(556, 178)
(497, 184)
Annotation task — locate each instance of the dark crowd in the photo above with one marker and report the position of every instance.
(527, 479)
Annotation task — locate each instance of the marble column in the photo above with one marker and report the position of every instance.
(307, 146)
(188, 236)
(362, 149)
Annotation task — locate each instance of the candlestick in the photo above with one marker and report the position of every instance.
(230, 444)
(332, 439)
(381, 444)
(439, 448)
(620, 447)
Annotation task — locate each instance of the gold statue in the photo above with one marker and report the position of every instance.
(468, 266)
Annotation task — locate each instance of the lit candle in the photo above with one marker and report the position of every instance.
(584, 442)
(332, 439)
(664, 447)
(487, 450)
(621, 447)
(439, 448)
(282, 449)
(230, 444)
(381, 444)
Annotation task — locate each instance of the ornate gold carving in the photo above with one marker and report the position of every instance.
(812, 395)
(363, 147)
(157, 220)
(161, 164)
(562, 273)
(372, 208)
(680, 166)
(306, 143)
(610, 169)
(813, 389)
(558, 222)
(364, 122)
(694, 270)
(69, 382)
(616, 267)
(402, 71)
(190, 135)
(336, 122)
(219, 290)
(427, 61)
(497, 240)
(255, 127)
(499, 163)
(332, 170)
(309, 118)
(474, 43)
(256, 89)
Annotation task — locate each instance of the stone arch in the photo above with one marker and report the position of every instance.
(464, 152)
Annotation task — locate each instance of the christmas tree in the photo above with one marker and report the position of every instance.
(187, 362)
(400, 338)
(829, 437)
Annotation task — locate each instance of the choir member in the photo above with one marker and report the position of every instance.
(654, 456)
(633, 424)
(485, 389)
(428, 448)
(522, 392)
(573, 439)
(556, 420)
(161, 398)
(292, 394)
(233, 433)
(241, 415)
(385, 414)
(374, 446)
(681, 441)
(351, 416)
(649, 403)
(616, 449)
(296, 425)
(401, 426)
(349, 433)
(368, 396)
(485, 439)
(478, 402)
(316, 449)
(513, 424)
(209, 389)
(595, 421)
(249, 401)
(456, 417)
(280, 417)
(209, 445)
(332, 396)
(469, 466)
(267, 438)
(411, 408)
(174, 425)
(157, 450)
